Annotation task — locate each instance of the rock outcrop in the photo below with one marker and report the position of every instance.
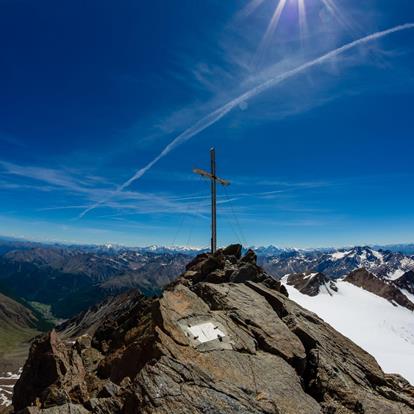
(311, 283)
(384, 288)
(406, 282)
(88, 322)
(223, 338)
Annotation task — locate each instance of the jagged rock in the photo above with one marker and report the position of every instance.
(104, 406)
(109, 390)
(244, 273)
(83, 342)
(88, 321)
(406, 282)
(250, 257)
(365, 280)
(62, 409)
(53, 374)
(332, 286)
(233, 250)
(310, 283)
(275, 284)
(198, 259)
(211, 345)
(218, 276)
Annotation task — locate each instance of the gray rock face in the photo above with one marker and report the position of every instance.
(406, 282)
(311, 283)
(386, 289)
(211, 344)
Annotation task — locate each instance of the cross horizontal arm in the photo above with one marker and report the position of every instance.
(203, 173)
(222, 181)
(211, 177)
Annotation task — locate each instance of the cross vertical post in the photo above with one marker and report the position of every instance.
(212, 176)
(213, 201)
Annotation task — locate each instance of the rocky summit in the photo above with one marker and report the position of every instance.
(223, 338)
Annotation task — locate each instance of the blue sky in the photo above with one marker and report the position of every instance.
(91, 92)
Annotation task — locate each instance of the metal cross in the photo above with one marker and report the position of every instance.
(214, 180)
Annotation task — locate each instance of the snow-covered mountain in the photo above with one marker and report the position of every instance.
(339, 263)
(271, 250)
(172, 249)
(380, 326)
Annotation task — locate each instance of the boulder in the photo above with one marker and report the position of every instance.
(244, 273)
(249, 257)
(62, 409)
(233, 250)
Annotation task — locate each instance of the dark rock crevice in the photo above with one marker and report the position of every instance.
(273, 301)
(307, 367)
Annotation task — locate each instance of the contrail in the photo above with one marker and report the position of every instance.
(219, 113)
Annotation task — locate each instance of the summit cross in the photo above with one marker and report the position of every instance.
(214, 180)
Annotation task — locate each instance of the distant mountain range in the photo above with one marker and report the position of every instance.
(339, 263)
(11, 243)
(70, 278)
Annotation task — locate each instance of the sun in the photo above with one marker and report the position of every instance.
(281, 5)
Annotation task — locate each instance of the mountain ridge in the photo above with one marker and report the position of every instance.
(223, 337)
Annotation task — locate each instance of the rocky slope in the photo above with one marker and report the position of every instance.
(223, 338)
(18, 325)
(310, 283)
(88, 322)
(15, 314)
(383, 288)
(406, 282)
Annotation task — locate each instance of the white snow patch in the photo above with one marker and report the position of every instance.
(378, 255)
(205, 332)
(10, 376)
(385, 331)
(405, 264)
(409, 295)
(310, 276)
(363, 256)
(340, 255)
(396, 274)
(4, 401)
(6, 390)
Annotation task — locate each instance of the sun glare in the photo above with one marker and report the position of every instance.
(281, 6)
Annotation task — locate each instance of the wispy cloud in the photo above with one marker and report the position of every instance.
(50, 176)
(76, 184)
(218, 114)
(85, 187)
